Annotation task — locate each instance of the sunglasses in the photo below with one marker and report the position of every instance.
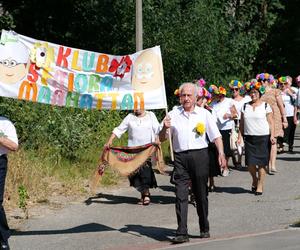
(235, 89)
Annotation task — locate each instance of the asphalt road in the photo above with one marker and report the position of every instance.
(238, 219)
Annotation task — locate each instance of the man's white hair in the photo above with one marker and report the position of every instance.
(190, 84)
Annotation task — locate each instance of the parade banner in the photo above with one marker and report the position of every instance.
(48, 73)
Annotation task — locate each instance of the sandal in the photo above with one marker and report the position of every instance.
(141, 201)
(146, 200)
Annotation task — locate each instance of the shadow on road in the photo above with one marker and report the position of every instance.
(288, 158)
(156, 233)
(167, 188)
(117, 199)
(232, 190)
(86, 228)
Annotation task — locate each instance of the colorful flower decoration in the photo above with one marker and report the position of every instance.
(213, 89)
(235, 84)
(120, 68)
(254, 84)
(222, 91)
(200, 128)
(283, 79)
(243, 90)
(203, 92)
(274, 84)
(40, 55)
(201, 82)
(176, 92)
(265, 77)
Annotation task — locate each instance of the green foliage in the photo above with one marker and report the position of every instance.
(59, 132)
(6, 19)
(219, 39)
(23, 197)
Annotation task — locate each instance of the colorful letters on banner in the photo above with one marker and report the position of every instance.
(53, 74)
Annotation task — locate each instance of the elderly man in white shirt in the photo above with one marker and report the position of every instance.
(8, 142)
(188, 125)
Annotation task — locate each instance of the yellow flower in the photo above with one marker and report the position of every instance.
(200, 128)
(176, 92)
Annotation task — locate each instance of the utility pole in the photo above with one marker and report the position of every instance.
(139, 25)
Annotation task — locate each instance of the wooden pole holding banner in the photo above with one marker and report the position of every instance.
(139, 25)
(170, 141)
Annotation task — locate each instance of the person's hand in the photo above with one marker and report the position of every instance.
(167, 121)
(295, 120)
(222, 160)
(157, 141)
(289, 91)
(273, 140)
(226, 116)
(107, 145)
(285, 124)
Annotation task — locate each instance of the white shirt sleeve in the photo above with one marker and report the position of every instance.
(155, 123)
(123, 127)
(9, 130)
(211, 127)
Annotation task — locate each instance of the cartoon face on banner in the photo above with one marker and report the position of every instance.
(13, 62)
(147, 72)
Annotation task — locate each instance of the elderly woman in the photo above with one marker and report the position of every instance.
(274, 99)
(257, 127)
(289, 97)
(223, 112)
(238, 102)
(142, 127)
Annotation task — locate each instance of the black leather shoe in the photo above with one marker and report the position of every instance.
(258, 193)
(180, 239)
(4, 245)
(204, 235)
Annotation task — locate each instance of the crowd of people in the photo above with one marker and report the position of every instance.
(210, 125)
(258, 119)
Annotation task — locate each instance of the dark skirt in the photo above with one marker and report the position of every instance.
(257, 150)
(214, 167)
(144, 178)
(226, 141)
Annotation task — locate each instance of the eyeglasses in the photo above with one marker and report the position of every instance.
(235, 89)
(9, 63)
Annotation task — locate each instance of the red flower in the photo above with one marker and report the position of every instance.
(120, 68)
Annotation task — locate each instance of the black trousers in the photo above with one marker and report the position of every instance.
(4, 229)
(289, 132)
(191, 165)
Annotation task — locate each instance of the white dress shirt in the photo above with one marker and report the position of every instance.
(183, 124)
(141, 130)
(7, 129)
(219, 109)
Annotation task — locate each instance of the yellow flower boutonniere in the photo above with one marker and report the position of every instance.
(200, 128)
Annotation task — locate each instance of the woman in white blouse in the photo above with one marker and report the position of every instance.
(143, 128)
(224, 113)
(289, 97)
(257, 127)
(238, 103)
